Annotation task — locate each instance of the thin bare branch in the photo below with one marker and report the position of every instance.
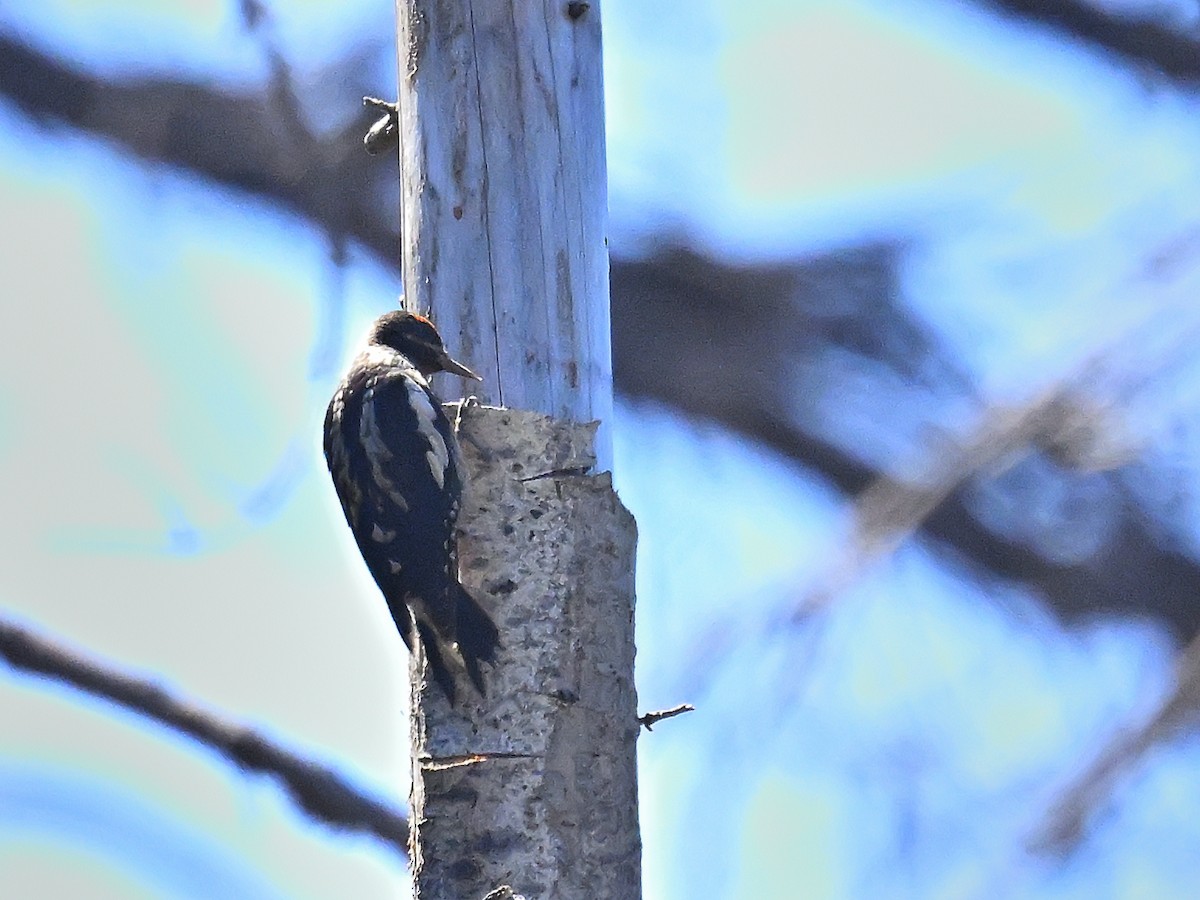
(1065, 825)
(318, 790)
(1078, 421)
(650, 719)
(889, 511)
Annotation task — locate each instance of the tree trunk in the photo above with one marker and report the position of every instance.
(504, 204)
(503, 214)
(536, 786)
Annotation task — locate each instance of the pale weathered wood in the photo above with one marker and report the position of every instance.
(504, 197)
(503, 214)
(536, 786)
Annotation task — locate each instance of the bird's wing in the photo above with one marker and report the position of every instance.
(391, 453)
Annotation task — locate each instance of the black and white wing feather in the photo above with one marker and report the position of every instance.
(394, 460)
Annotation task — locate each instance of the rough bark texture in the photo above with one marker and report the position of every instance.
(504, 199)
(503, 215)
(536, 786)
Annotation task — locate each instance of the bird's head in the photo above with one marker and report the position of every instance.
(415, 337)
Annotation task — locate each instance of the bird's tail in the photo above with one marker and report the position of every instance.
(475, 640)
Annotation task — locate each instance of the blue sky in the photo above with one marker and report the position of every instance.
(175, 516)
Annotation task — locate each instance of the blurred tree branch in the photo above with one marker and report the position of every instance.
(318, 790)
(1065, 825)
(889, 511)
(673, 339)
(758, 378)
(1139, 41)
(257, 144)
(1069, 424)
(747, 347)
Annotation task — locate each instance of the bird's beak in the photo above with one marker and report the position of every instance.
(456, 368)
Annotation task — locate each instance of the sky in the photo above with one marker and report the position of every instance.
(163, 378)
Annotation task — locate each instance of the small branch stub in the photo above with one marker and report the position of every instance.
(650, 719)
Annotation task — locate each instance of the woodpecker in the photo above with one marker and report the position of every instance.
(396, 467)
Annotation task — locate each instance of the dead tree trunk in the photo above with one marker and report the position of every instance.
(536, 787)
(504, 202)
(503, 212)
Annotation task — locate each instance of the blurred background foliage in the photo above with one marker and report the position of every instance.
(904, 317)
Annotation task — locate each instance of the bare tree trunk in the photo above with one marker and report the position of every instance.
(503, 212)
(536, 786)
(504, 203)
